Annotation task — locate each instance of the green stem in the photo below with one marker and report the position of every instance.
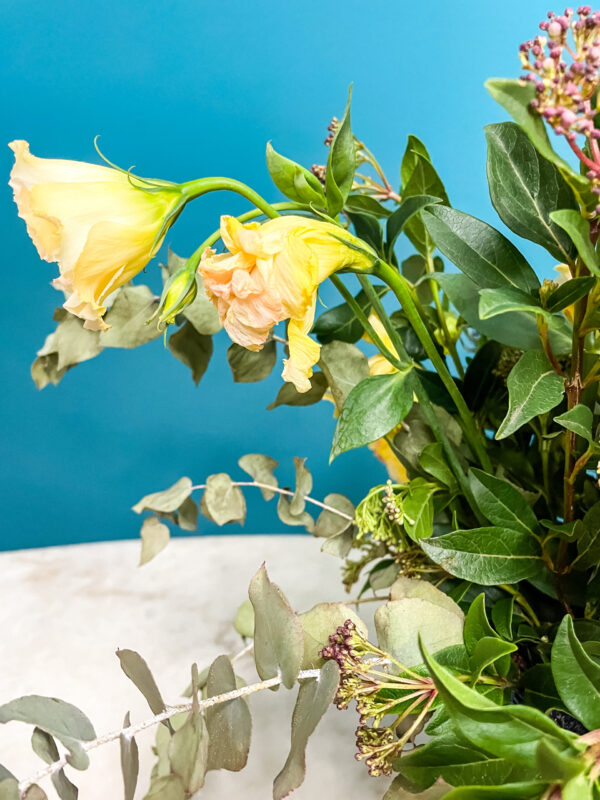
(401, 289)
(449, 342)
(425, 403)
(193, 189)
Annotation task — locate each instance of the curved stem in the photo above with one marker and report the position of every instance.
(169, 712)
(449, 342)
(193, 189)
(401, 289)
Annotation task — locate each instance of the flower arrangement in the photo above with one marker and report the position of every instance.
(476, 386)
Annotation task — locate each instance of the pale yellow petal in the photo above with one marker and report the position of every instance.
(304, 352)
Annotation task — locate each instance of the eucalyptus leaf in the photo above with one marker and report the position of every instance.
(486, 555)
(372, 409)
(244, 620)
(188, 753)
(130, 762)
(533, 388)
(250, 366)
(70, 342)
(314, 698)
(201, 312)
(58, 718)
(192, 348)
(223, 502)
(129, 317)
(166, 787)
(9, 789)
(344, 366)
(278, 634)
(45, 747)
(319, 623)
(260, 468)
(138, 672)
(155, 537)
(229, 724)
(331, 524)
(526, 188)
(168, 500)
(288, 395)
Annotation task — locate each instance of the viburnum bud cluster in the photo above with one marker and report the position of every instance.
(566, 77)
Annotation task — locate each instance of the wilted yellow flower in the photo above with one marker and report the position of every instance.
(384, 453)
(271, 273)
(100, 228)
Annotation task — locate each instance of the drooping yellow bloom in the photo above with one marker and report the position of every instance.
(271, 273)
(100, 228)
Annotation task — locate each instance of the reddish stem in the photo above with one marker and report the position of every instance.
(582, 156)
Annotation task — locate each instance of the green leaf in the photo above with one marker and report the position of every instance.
(515, 329)
(331, 524)
(486, 555)
(528, 790)
(515, 97)
(188, 754)
(340, 324)
(365, 204)
(223, 501)
(130, 763)
(576, 675)
(249, 366)
(341, 163)
(288, 395)
(569, 292)
(578, 229)
(128, 318)
(138, 672)
(455, 762)
(414, 268)
(511, 732)
(478, 250)
(587, 533)
(487, 652)
(229, 724)
(419, 177)
(525, 188)
(405, 212)
(556, 766)
(344, 366)
(477, 626)
(579, 420)
(501, 503)
(167, 501)
(367, 228)
(432, 460)
(502, 616)
(417, 506)
(155, 537)
(260, 468)
(372, 409)
(293, 180)
(314, 698)
(278, 634)
(539, 689)
(45, 747)
(192, 349)
(319, 623)
(400, 623)
(533, 388)
(503, 301)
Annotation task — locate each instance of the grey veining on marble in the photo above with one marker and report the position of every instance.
(65, 610)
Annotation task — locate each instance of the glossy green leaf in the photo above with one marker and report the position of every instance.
(578, 229)
(433, 461)
(481, 252)
(525, 188)
(260, 468)
(569, 292)
(364, 203)
(515, 97)
(527, 790)
(341, 163)
(367, 228)
(419, 177)
(539, 688)
(486, 555)
(502, 616)
(494, 302)
(579, 420)
(490, 651)
(250, 366)
(294, 181)
(278, 634)
(533, 388)
(501, 502)
(314, 698)
(372, 409)
(477, 625)
(577, 676)
(418, 509)
(406, 210)
(556, 766)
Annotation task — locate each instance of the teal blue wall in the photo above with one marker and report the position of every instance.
(184, 89)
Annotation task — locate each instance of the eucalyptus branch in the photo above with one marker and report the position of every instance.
(287, 492)
(132, 730)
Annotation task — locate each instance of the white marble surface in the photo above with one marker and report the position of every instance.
(65, 610)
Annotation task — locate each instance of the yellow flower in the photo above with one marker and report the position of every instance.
(271, 273)
(100, 228)
(564, 274)
(384, 453)
(378, 364)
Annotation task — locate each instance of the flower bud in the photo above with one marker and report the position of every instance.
(180, 290)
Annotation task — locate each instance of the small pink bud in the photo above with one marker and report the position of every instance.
(555, 29)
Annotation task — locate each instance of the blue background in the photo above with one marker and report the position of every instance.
(191, 88)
